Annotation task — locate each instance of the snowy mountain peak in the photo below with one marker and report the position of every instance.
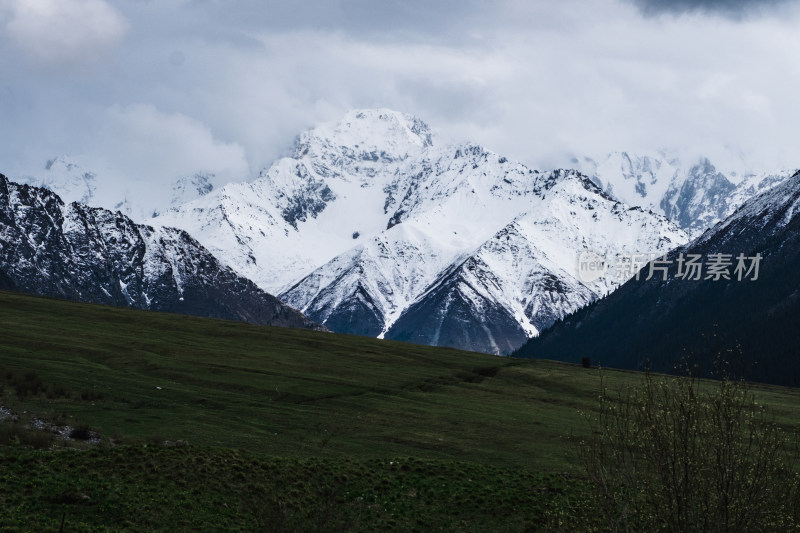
(548, 180)
(654, 322)
(64, 175)
(366, 135)
(188, 188)
(60, 163)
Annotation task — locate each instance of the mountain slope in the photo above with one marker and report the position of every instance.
(525, 276)
(480, 254)
(6, 283)
(93, 255)
(429, 222)
(662, 320)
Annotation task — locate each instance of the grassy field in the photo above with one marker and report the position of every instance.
(213, 489)
(281, 421)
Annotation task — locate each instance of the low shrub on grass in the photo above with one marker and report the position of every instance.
(12, 433)
(35, 438)
(81, 431)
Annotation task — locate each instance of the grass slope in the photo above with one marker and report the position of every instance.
(264, 408)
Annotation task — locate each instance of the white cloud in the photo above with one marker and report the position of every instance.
(224, 87)
(63, 31)
(140, 141)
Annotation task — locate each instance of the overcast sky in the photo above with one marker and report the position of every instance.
(162, 88)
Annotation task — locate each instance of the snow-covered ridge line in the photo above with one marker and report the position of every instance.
(371, 222)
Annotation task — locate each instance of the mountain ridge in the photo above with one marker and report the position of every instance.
(81, 253)
(693, 193)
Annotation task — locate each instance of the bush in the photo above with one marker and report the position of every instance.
(278, 508)
(7, 432)
(81, 432)
(36, 438)
(57, 391)
(13, 432)
(679, 455)
(29, 384)
(90, 395)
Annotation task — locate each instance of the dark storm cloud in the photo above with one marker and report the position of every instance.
(730, 8)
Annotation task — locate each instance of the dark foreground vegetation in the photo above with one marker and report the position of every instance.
(159, 488)
(679, 455)
(114, 419)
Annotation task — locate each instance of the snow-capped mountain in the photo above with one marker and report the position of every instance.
(90, 254)
(68, 178)
(525, 276)
(695, 196)
(749, 317)
(308, 208)
(371, 228)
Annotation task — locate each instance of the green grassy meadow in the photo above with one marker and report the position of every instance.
(287, 430)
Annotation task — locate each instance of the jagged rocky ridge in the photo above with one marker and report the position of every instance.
(694, 195)
(90, 254)
(658, 322)
(370, 228)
